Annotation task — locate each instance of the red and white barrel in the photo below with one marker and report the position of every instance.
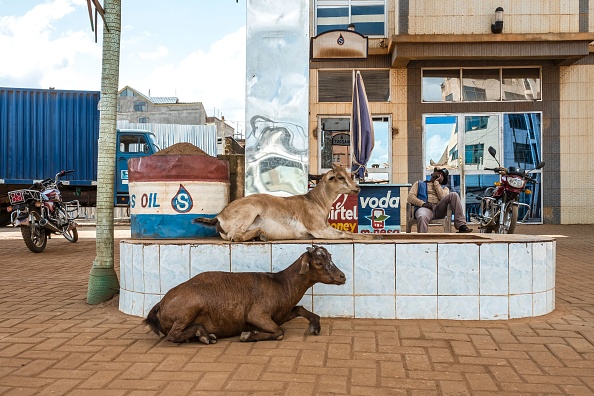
(168, 191)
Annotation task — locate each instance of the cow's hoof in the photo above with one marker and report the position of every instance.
(245, 336)
(314, 328)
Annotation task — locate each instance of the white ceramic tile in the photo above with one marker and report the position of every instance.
(416, 269)
(149, 302)
(551, 265)
(123, 249)
(250, 257)
(458, 307)
(283, 255)
(494, 269)
(494, 307)
(137, 304)
(539, 267)
(458, 270)
(175, 266)
(416, 307)
(306, 302)
(126, 265)
(342, 256)
(125, 302)
(539, 303)
(520, 268)
(520, 306)
(137, 269)
(334, 306)
(550, 300)
(152, 276)
(209, 257)
(374, 269)
(379, 307)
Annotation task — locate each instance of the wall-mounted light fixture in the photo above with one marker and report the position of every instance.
(497, 27)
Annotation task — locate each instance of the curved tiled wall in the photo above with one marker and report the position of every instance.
(483, 278)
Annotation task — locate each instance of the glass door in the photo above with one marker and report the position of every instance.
(515, 136)
(441, 148)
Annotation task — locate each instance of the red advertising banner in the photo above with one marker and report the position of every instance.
(343, 215)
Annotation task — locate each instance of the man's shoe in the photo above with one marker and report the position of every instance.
(464, 229)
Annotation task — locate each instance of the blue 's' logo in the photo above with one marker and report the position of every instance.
(182, 201)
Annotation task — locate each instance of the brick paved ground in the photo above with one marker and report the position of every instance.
(52, 342)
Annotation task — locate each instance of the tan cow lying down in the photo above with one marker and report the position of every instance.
(269, 217)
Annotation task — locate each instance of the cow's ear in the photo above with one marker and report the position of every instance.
(335, 167)
(304, 263)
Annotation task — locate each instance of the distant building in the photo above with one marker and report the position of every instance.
(136, 107)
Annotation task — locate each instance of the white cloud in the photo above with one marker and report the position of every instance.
(158, 53)
(34, 54)
(52, 45)
(216, 78)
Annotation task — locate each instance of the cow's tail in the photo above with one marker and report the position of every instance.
(206, 220)
(152, 320)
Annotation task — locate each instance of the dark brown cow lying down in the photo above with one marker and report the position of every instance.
(253, 305)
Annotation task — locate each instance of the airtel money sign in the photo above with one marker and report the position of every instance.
(376, 209)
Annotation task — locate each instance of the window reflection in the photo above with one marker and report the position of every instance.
(480, 133)
(441, 85)
(441, 142)
(521, 140)
(480, 85)
(521, 84)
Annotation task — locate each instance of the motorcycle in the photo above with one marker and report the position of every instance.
(499, 206)
(40, 212)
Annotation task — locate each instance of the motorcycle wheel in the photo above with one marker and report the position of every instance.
(4, 218)
(35, 237)
(71, 235)
(510, 220)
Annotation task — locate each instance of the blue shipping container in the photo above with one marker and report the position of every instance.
(43, 131)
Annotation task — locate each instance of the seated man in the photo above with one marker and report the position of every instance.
(431, 199)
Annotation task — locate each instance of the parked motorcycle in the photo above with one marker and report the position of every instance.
(499, 206)
(40, 212)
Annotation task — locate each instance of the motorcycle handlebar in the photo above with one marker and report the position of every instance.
(64, 172)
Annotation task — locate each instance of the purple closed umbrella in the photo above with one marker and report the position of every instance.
(361, 128)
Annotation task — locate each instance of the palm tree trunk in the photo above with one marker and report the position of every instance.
(103, 280)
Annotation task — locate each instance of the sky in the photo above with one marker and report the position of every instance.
(192, 49)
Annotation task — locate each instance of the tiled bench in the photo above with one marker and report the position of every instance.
(408, 276)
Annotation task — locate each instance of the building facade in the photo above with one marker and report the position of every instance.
(445, 82)
(136, 107)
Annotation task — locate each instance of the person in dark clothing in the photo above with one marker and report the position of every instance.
(431, 199)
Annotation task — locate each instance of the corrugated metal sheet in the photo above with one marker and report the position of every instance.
(44, 131)
(201, 136)
(163, 100)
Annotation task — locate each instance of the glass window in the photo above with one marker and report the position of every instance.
(480, 85)
(521, 84)
(474, 154)
(368, 16)
(441, 85)
(143, 120)
(133, 144)
(139, 106)
(379, 165)
(335, 146)
(521, 140)
(480, 131)
(441, 142)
